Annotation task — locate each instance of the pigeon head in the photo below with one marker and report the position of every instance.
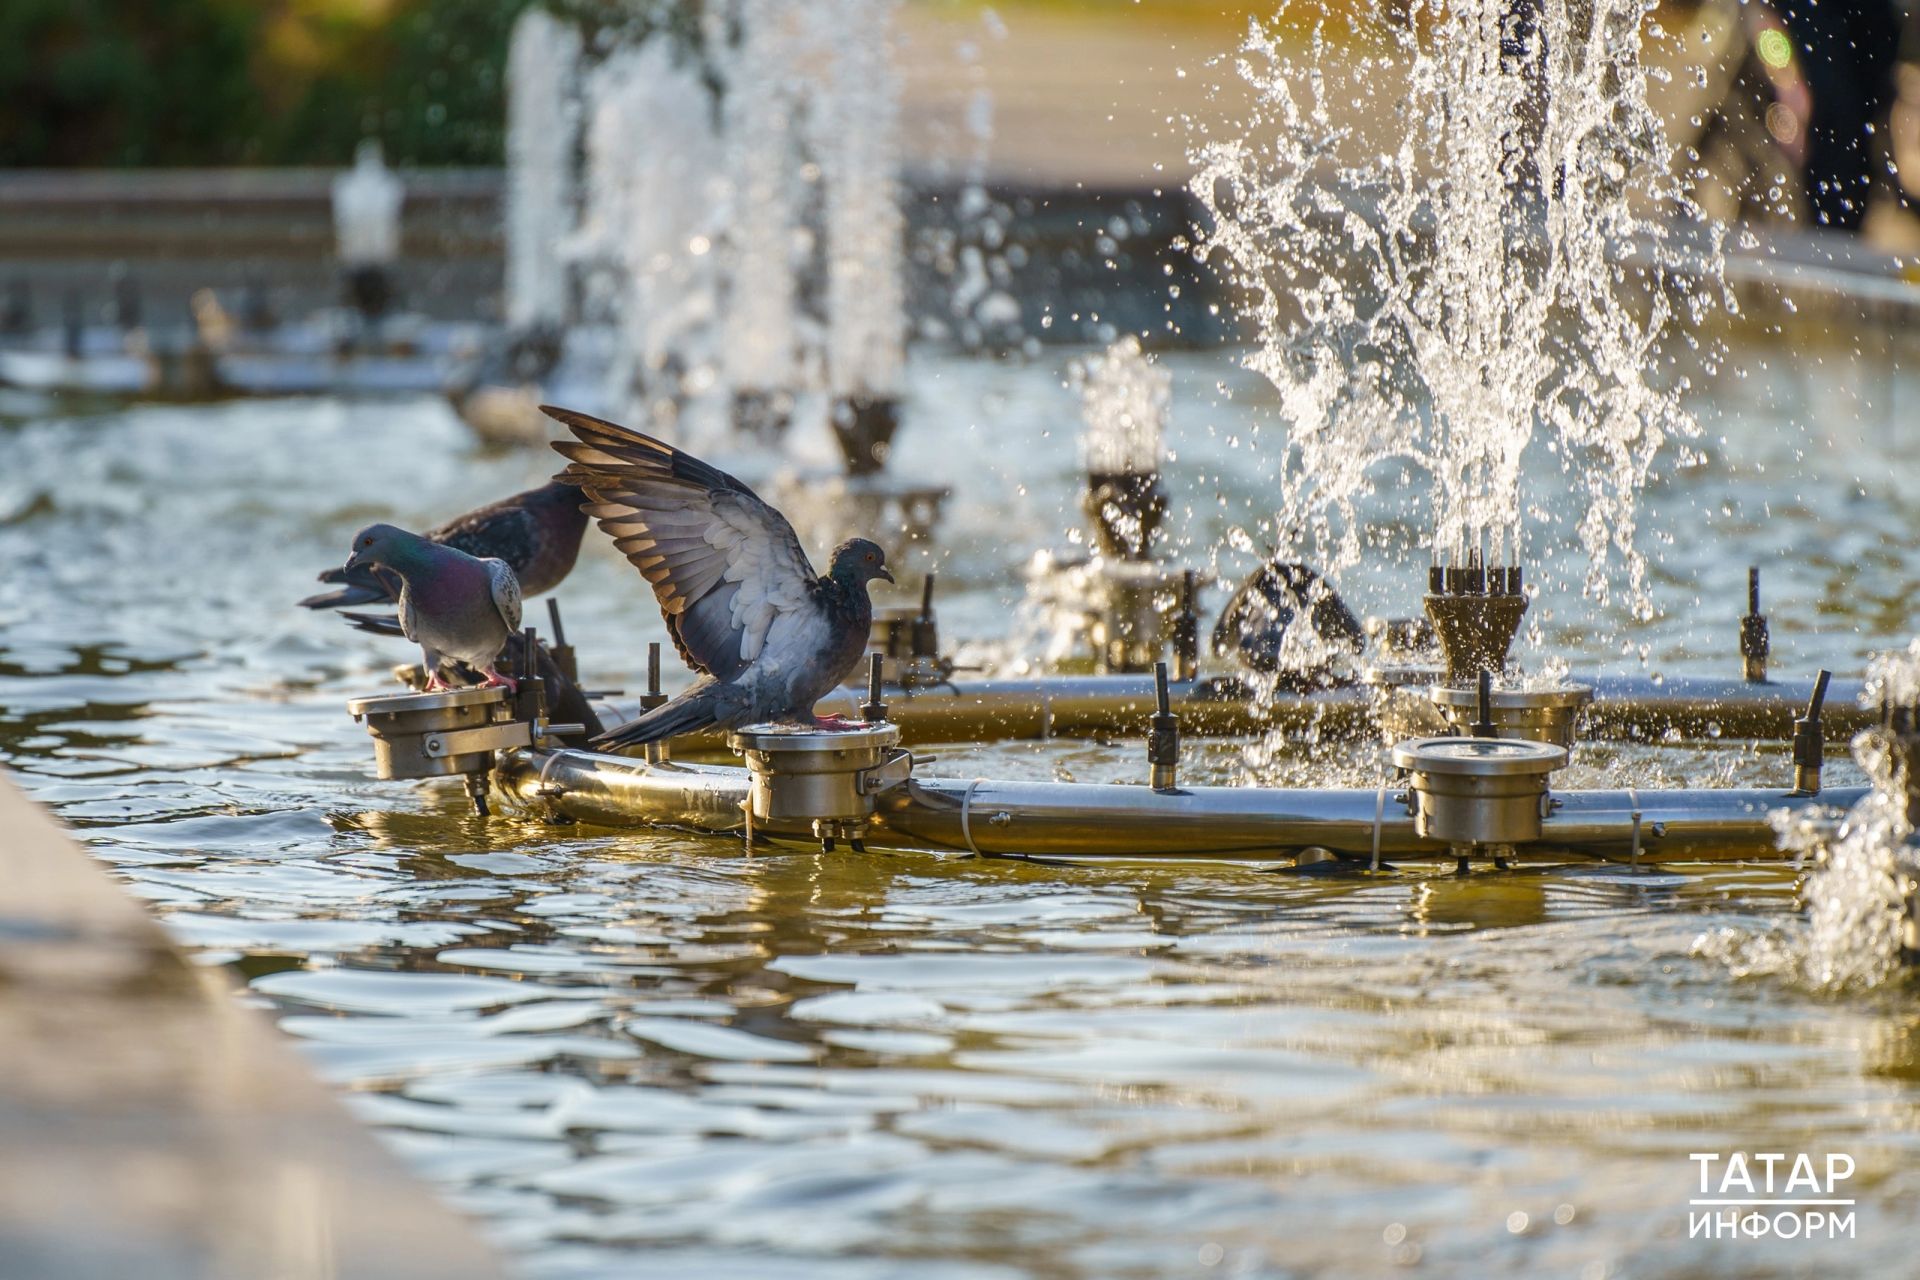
(856, 562)
(387, 546)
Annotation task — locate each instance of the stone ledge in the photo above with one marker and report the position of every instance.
(154, 1127)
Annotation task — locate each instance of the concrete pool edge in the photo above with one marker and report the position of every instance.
(153, 1125)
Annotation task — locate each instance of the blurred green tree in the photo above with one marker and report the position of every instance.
(217, 82)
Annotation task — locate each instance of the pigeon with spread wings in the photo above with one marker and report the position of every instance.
(746, 610)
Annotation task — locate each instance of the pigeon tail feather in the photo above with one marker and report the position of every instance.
(378, 624)
(362, 586)
(696, 709)
(345, 598)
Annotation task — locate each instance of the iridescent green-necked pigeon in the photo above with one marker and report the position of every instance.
(768, 635)
(537, 533)
(452, 605)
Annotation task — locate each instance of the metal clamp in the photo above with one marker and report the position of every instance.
(966, 816)
(1379, 819)
(491, 737)
(889, 773)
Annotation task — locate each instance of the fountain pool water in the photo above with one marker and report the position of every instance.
(640, 1053)
(636, 1053)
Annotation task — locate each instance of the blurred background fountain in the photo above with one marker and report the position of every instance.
(771, 179)
(543, 113)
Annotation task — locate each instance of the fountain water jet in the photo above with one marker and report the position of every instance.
(760, 358)
(652, 194)
(1124, 401)
(856, 136)
(541, 123)
(1496, 272)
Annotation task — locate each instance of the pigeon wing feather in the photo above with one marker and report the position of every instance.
(724, 565)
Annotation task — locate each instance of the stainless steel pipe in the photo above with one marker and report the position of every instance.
(622, 791)
(1087, 820)
(1631, 707)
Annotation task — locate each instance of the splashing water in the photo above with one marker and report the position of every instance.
(1124, 401)
(1857, 893)
(1498, 271)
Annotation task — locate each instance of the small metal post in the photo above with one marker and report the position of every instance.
(563, 656)
(873, 710)
(1809, 742)
(1483, 727)
(1163, 741)
(530, 697)
(656, 752)
(1186, 631)
(1753, 632)
(926, 632)
(477, 793)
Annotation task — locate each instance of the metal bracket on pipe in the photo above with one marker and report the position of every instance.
(889, 773)
(491, 737)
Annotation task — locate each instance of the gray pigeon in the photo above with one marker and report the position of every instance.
(768, 635)
(452, 605)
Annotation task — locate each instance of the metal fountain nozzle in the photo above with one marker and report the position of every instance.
(1127, 509)
(1475, 610)
(762, 415)
(864, 426)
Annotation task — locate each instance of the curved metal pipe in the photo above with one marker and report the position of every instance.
(618, 791)
(1092, 820)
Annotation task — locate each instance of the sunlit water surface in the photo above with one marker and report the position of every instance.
(639, 1054)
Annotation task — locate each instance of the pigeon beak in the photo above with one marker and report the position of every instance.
(354, 562)
(884, 573)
